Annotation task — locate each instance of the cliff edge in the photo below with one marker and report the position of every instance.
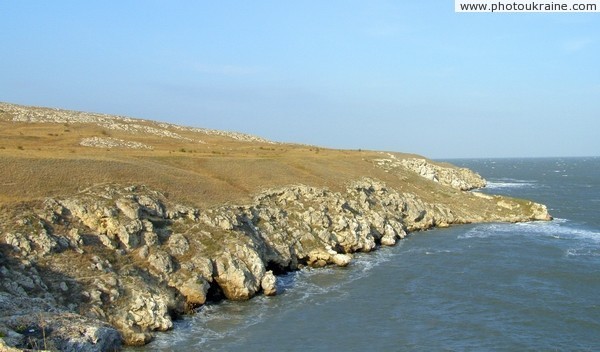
(155, 220)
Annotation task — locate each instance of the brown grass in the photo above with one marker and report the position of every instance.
(45, 159)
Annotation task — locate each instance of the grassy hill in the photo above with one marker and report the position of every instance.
(47, 152)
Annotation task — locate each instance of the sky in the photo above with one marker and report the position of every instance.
(402, 75)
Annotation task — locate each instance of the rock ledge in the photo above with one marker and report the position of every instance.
(117, 263)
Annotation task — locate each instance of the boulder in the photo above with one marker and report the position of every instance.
(388, 239)
(234, 277)
(318, 258)
(129, 208)
(195, 290)
(144, 310)
(269, 284)
(161, 262)
(340, 259)
(178, 244)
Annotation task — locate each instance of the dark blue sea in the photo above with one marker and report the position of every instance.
(488, 287)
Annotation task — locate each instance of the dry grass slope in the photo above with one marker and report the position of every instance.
(41, 155)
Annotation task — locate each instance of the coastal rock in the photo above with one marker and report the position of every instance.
(28, 324)
(269, 284)
(389, 239)
(145, 309)
(142, 260)
(448, 175)
(178, 244)
(202, 265)
(195, 291)
(318, 258)
(235, 277)
(161, 262)
(107, 263)
(70, 332)
(539, 212)
(33, 238)
(340, 259)
(459, 178)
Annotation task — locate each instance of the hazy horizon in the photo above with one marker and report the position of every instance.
(409, 77)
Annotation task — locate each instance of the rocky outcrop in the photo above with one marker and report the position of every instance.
(458, 178)
(99, 142)
(38, 323)
(132, 126)
(120, 263)
(269, 284)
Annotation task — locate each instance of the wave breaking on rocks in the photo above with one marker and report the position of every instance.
(115, 263)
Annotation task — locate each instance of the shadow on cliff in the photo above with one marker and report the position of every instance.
(41, 308)
(276, 261)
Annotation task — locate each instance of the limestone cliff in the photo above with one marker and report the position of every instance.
(459, 178)
(129, 257)
(111, 227)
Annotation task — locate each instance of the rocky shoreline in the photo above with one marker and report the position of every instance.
(113, 264)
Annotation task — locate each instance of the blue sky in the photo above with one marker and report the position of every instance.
(410, 75)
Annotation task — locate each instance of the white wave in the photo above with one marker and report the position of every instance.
(431, 251)
(332, 280)
(478, 232)
(583, 252)
(216, 322)
(557, 229)
(509, 183)
(489, 230)
(575, 241)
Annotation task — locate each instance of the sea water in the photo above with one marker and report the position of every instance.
(484, 287)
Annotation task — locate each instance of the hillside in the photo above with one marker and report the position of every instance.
(46, 152)
(110, 227)
(75, 150)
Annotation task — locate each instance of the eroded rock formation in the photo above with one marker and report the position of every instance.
(458, 178)
(116, 263)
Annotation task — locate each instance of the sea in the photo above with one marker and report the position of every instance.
(484, 287)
